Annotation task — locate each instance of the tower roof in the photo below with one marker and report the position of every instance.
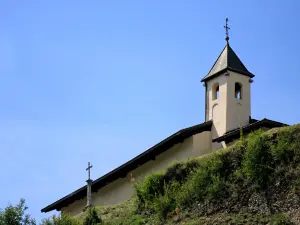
(227, 60)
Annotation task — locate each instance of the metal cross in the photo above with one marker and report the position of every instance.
(227, 28)
(89, 169)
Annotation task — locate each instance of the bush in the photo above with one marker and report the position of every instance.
(163, 204)
(157, 184)
(61, 220)
(257, 163)
(231, 160)
(179, 171)
(92, 217)
(265, 152)
(280, 219)
(135, 220)
(15, 215)
(146, 191)
(281, 147)
(205, 182)
(130, 220)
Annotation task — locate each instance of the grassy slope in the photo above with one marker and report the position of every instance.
(255, 181)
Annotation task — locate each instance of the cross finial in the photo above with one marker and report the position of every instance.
(89, 169)
(89, 187)
(227, 29)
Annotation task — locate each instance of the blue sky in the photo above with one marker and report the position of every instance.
(102, 81)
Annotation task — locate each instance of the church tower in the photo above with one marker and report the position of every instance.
(227, 97)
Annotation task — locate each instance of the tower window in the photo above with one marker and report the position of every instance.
(238, 91)
(216, 92)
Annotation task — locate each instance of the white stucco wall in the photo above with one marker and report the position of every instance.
(121, 189)
(228, 112)
(217, 107)
(238, 111)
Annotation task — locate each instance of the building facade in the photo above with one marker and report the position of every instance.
(227, 89)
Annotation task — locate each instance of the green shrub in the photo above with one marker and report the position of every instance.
(214, 190)
(280, 219)
(135, 220)
(61, 220)
(281, 146)
(153, 188)
(257, 163)
(194, 188)
(186, 195)
(146, 191)
(92, 217)
(265, 152)
(205, 182)
(130, 220)
(179, 171)
(231, 160)
(164, 204)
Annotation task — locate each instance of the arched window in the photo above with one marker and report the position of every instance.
(216, 92)
(238, 91)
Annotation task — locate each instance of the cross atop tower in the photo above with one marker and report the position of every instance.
(89, 169)
(89, 186)
(227, 31)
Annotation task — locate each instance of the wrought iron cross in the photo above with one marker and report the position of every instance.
(89, 169)
(227, 30)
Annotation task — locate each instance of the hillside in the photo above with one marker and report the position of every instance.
(255, 181)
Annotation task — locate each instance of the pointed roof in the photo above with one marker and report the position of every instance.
(227, 60)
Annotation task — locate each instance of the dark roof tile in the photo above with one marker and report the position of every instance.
(227, 60)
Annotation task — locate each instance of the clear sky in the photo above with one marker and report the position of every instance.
(102, 81)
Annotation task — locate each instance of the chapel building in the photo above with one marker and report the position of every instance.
(227, 108)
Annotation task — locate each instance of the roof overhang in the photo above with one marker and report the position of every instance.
(207, 78)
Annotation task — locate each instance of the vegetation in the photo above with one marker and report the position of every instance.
(61, 220)
(92, 217)
(252, 177)
(255, 181)
(15, 215)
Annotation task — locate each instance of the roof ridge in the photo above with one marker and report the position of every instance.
(238, 59)
(214, 63)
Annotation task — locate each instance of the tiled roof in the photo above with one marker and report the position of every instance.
(227, 60)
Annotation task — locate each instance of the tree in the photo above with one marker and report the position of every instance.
(15, 215)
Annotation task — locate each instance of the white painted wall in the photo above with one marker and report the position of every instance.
(238, 111)
(227, 112)
(217, 107)
(121, 189)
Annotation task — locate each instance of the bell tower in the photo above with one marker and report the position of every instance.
(227, 92)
